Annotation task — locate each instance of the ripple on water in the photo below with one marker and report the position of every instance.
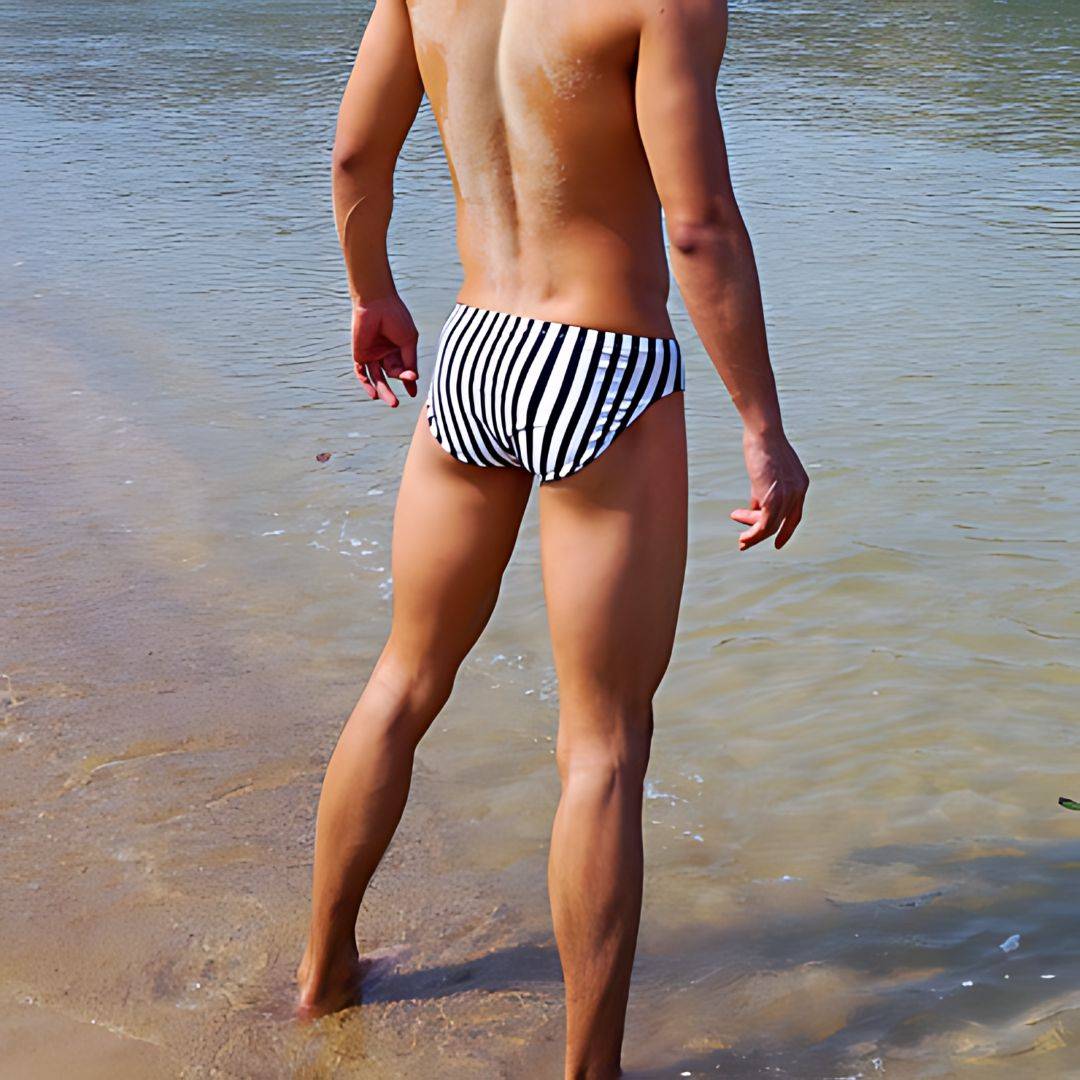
(860, 742)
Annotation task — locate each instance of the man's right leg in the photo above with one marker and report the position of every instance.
(613, 547)
(454, 530)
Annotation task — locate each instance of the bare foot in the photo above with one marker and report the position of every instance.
(335, 987)
(339, 985)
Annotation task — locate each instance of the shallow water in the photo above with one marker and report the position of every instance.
(861, 740)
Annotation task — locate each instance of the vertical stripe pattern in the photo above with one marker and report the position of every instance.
(542, 396)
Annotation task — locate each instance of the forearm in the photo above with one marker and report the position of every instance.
(363, 201)
(716, 271)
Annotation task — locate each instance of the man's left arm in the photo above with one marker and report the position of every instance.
(378, 108)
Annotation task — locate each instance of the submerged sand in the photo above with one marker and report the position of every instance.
(160, 772)
(161, 748)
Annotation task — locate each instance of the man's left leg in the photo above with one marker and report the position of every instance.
(613, 544)
(454, 529)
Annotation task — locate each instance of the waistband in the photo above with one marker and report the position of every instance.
(461, 311)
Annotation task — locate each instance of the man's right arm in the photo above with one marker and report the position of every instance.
(377, 110)
(681, 46)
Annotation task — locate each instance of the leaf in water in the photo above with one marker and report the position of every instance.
(323, 455)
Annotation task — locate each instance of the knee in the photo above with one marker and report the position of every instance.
(402, 698)
(609, 752)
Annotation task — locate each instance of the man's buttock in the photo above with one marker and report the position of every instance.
(514, 391)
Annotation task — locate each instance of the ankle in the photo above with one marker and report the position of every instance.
(591, 1070)
(327, 957)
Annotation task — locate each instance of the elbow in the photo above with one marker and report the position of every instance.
(361, 164)
(719, 226)
(357, 154)
(348, 157)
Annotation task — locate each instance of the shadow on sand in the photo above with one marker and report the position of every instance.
(928, 971)
(517, 967)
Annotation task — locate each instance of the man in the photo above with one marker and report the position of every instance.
(568, 128)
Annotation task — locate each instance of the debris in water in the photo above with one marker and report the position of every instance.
(967, 982)
(1010, 943)
(323, 455)
(1069, 804)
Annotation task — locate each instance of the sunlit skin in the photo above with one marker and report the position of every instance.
(568, 128)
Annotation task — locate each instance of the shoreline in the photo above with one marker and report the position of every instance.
(161, 779)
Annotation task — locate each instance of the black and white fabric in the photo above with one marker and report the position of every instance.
(542, 396)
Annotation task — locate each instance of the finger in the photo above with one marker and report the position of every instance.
(409, 378)
(365, 382)
(408, 360)
(791, 523)
(395, 367)
(792, 517)
(745, 516)
(754, 507)
(767, 524)
(357, 359)
(382, 387)
(764, 517)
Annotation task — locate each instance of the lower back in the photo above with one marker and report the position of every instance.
(557, 213)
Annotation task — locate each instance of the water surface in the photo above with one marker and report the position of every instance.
(861, 740)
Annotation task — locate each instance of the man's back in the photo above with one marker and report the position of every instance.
(557, 211)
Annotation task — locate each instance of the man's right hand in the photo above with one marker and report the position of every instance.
(384, 347)
(778, 484)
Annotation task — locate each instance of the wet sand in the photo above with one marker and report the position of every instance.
(161, 769)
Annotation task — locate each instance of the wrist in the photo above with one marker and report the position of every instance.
(762, 426)
(369, 278)
(371, 296)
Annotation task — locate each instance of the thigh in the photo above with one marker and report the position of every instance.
(613, 548)
(454, 530)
